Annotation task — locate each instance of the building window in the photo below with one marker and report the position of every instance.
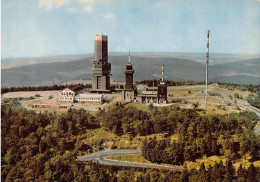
(99, 82)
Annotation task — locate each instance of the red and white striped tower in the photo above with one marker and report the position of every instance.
(207, 62)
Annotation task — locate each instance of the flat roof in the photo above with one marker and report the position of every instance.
(89, 95)
(149, 92)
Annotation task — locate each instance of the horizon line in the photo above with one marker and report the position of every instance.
(119, 52)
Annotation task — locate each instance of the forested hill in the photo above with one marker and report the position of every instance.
(179, 69)
(44, 146)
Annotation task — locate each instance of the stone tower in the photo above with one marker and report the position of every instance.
(100, 66)
(129, 93)
(129, 74)
(162, 90)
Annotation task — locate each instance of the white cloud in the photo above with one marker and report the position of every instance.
(49, 4)
(95, 1)
(88, 9)
(87, 1)
(72, 6)
(110, 15)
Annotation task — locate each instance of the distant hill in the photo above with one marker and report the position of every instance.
(247, 72)
(12, 63)
(215, 58)
(146, 67)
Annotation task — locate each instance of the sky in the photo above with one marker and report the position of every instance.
(35, 28)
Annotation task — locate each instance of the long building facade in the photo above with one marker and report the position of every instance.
(77, 95)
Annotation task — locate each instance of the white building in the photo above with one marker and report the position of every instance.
(89, 98)
(67, 95)
(76, 94)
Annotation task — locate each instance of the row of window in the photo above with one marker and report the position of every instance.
(67, 93)
(88, 98)
(80, 98)
(65, 98)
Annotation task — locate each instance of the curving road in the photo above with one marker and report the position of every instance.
(100, 158)
(255, 110)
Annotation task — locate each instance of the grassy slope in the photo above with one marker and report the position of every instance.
(207, 161)
(138, 106)
(214, 104)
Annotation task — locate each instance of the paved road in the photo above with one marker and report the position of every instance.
(100, 158)
(255, 110)
(249, 107)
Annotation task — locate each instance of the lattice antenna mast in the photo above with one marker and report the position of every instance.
(207, 62)
(162, 71)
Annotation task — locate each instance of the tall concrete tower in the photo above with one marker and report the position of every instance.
(207, 62)
(129, 74)
(162, 89)
(100, 66)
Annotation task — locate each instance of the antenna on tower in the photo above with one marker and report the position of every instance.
(207, 62)
(129, 60)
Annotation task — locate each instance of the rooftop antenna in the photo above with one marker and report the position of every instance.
(207, 62)
(129, 60)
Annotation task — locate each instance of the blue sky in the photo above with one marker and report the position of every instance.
(32, 28)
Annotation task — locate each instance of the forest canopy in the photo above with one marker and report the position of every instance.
(43, 146)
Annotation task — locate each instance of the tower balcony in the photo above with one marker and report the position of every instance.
(129, 71)
(101, 68)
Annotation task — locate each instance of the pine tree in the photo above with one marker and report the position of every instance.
(241, 174)
(184, 177)
(216, 173)
(144, 148)
(203, 175)
(251, 173)
(229, 171)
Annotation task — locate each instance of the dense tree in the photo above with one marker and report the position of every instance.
(42, 88)
(213, 135)
(44, 146)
